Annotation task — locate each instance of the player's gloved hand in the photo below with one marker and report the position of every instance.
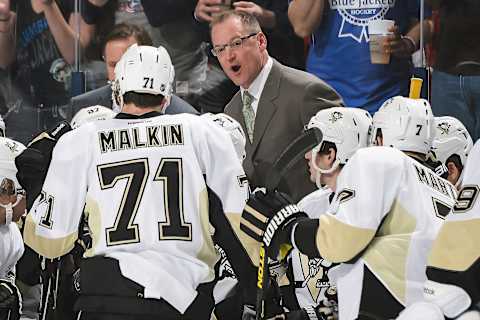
(10, 299)
(269, 217)
(33, 162)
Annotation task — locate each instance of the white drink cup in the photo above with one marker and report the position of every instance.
(378, 30)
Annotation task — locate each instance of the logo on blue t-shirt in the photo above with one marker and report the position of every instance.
(357, 13)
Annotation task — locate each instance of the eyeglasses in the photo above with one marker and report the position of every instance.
(234, 44)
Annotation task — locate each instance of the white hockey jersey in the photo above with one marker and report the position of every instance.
(11, 248)
(144, 183)
(388, 208)
(455, 257)
(312, 274)
(463, 225)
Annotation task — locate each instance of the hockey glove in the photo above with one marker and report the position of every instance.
(33, 162)
(269, 217)
(10, 300)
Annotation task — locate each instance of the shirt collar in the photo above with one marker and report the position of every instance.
(257, 85)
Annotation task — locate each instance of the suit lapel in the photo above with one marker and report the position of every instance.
(266, 106)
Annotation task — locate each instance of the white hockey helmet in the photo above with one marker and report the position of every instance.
(451, 137)
(406, 124)
(347, 128)
(144, 69)
(9, 150)
(233, 128)
(90, 114)
(2, 127)
(364, 119)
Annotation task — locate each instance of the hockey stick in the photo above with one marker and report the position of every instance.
(290, 156)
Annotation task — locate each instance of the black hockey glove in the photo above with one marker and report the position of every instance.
(269, 218)
(33, 162)
(10, 301)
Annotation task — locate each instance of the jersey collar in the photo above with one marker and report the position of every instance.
(150, 114)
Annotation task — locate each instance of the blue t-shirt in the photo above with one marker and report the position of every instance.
(340, 53)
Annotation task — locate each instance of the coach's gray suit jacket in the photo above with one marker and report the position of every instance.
(103, 96)
(288, 101)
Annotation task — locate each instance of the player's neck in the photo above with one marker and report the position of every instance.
(330, 179)
(131, 108)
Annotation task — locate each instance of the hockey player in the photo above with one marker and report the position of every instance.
(451, 146)
(12, 207)
(345, 130)
(454, 262)
(153, 186)
(227, 293)
(386, 212)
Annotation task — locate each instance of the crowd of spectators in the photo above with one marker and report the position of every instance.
(327, 38)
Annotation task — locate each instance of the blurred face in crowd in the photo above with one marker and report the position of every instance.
(241, 52)
(114, 50)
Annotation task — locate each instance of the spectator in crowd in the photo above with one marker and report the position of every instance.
(339, 52)
(116, 43)
(456, 74)
(274, 101)
(40, 58)
(199, 79)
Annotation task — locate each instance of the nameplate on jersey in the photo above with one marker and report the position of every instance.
(430, 179)
(140, 137)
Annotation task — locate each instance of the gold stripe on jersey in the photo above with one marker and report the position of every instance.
(251, 246)
(48, 247)
(386, 256)
(448, 254)
(340, 242)
(94, 218)
(207, 252)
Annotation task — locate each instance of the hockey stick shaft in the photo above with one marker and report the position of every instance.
(293, 153)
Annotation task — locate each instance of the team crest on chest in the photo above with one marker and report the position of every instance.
(315, 276)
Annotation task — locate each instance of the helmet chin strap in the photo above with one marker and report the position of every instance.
(319, 171)
(9, 209)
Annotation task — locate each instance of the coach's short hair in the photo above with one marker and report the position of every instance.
(248, 20)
